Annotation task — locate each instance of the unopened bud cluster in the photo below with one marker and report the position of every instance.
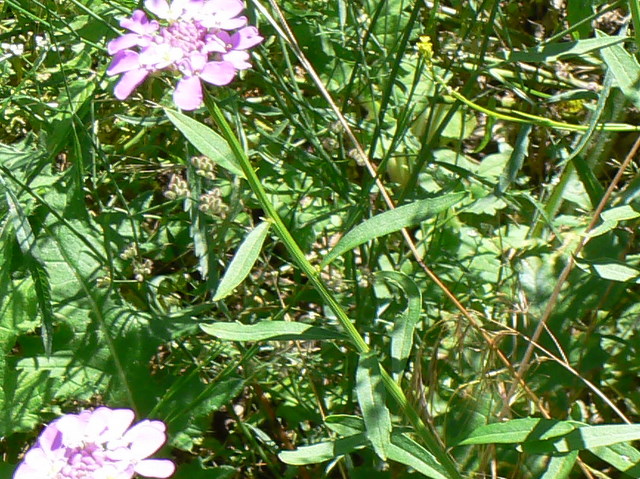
(177, 188)
(204, 166)
(142, 269)
(211, 203)
(356, 155)
(129, 252)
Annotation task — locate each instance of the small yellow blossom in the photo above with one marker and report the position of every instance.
(425, 47)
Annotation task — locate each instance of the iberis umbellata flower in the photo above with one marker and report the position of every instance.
(98, 444)
(201, 40)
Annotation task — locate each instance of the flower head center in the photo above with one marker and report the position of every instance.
(188, 36)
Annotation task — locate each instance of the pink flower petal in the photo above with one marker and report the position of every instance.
(233, 23)
(139, 23)
(125, 41)
(228, 8)
(123, 61)
(72, 427)
(109, 424)
(160, 8)
(161, 468)
(246, 38)
(25, 471)
(50, 438)
(188, 93)
(240, 60)
(146, 437)
(218, 73)
(129, 82)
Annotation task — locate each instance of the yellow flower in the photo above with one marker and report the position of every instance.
(425, 46)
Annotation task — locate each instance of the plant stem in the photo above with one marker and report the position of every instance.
(393, 389)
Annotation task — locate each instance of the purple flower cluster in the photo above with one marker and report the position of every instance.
(97, 444)
(202, 40)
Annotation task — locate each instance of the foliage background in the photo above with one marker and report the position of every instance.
(106, 278)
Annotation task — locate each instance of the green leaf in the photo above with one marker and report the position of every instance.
(625, 69)
(405, 325)
(243, 261)
(188, 404)
(26, 241)
(206, 141)
(408, 452)
(371, 397)
(392, 221)
(518, 431)
(620, 213)
(557, 51)
(520, 150)
(611, 269)
(323, 451)
(345, 424)
(269, 331)
(587, 437)
(624, 457)
(560, 466)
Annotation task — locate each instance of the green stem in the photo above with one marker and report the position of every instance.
(313, 274)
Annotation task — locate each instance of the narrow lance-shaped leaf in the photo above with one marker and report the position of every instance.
(408, 452)
(587, 437)
(371, 397)
(517, 431)
(323, 451)
(269, 331)
(243, 261)
(624, 457)
(555, 51)
(392, 221)
(560, 466)
(405, 324)
(510, 173)
(206, 141)
(624, 67)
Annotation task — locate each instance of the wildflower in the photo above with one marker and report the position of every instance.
(97, 444)
(425, 47)
(203, 40)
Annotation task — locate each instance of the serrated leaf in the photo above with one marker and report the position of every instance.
(269, 331)
(26, 241)
(189, 403)
(392, 221)
(243, 261)
(371, 398)
(206, 141)
(323, 451)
